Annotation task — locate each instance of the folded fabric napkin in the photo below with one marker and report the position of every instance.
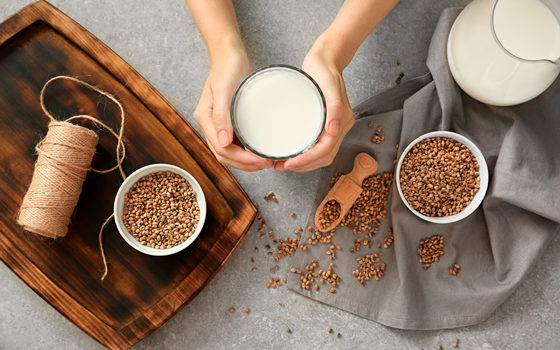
(496, 246)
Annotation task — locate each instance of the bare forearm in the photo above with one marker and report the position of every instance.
(217, 24)
(353, 23)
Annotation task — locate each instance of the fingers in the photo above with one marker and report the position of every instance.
(324, 151)
(222, 94)
(212, 115)
(337, 106)
(322, 154)
(335, 111)
(211, 123)
(237, 157)
(203, 113)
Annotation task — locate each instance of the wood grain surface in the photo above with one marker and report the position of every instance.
(141, 292)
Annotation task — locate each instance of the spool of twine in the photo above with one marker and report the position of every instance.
(64, 158)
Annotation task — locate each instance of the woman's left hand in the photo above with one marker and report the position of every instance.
(340, 117)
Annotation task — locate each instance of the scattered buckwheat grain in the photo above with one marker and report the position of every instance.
(454, 269)
(398, 80)
(331, 252)
(309, 276)
(369, 266)
(378, 137)
(270, 196)
(273, 282)
(389, 239)
(262, 223)
(429, 250)
(287, 247)
(321, 237)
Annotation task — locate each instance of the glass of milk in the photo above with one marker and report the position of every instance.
(505, 52)
(278, 112)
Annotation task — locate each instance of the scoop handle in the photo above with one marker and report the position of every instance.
(364, 166)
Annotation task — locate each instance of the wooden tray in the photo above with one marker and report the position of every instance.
(140, 292)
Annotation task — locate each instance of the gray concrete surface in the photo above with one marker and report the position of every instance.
(160, 40)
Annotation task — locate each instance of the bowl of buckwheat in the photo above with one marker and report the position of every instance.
(442, 177)
(160, 209)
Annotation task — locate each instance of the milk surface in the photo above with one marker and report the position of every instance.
(279, 113)
(527, 28)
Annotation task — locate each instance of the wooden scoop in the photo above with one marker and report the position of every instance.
(347, 189)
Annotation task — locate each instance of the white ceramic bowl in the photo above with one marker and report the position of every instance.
(482, 170)
(119, 207)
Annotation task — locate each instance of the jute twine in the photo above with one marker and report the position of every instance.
(64, 158)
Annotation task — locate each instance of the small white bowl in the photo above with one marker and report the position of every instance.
(482, 170)
(119, 207)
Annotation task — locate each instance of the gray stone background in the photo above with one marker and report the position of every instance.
(160, 40)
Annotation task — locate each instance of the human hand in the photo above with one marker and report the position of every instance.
(340, 117)
(212, 113)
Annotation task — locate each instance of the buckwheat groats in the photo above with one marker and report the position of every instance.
(329, 214)
(160, 210)
(439, 176)
(429, 250)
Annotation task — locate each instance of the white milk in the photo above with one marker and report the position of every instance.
(527, 28)
(278, 113)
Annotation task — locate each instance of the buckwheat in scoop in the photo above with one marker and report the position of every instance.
(160, 210)
(439, 176)
(329, 214)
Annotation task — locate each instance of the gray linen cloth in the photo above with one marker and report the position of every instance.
(496, 246)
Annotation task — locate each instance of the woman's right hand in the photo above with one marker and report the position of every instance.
(212, 113)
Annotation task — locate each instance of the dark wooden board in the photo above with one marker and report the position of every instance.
(140, 292)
